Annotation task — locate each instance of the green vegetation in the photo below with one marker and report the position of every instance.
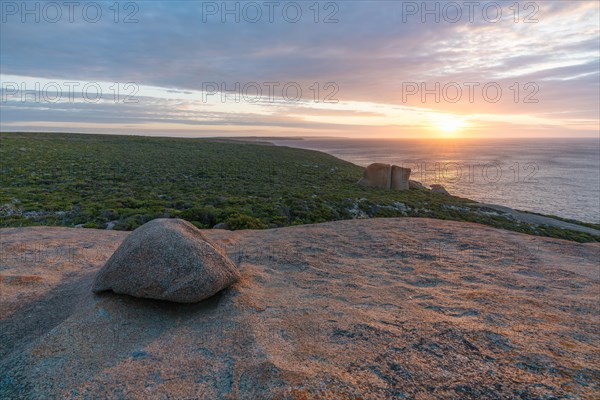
(100, 181)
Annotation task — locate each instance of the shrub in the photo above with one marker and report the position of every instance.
(207, 216)
(242, 221)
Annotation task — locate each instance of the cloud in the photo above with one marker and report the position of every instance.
(370, 52)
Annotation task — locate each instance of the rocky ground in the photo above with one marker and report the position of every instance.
(382, 308)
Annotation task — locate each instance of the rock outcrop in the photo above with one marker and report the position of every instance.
(415, 185)
(411, 306)
(377, 175)
(386, 176)
(167, 259)
(399, 179)
(437, 188)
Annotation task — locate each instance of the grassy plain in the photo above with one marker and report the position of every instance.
(121, 182)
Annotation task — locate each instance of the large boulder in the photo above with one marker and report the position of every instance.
(167, 259)
(377, 175)
(386, 176)
(400, 178)
(437, 188)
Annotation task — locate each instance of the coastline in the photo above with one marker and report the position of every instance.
(518, 215)
(533, 175)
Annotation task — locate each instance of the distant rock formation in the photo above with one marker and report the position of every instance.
(386, 176)
(377, 175)
(167, 259)
(436, 188)
(399, 179)
(416, 185)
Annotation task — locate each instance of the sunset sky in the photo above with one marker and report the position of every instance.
(372, 58)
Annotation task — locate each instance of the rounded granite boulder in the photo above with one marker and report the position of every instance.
(167, 259)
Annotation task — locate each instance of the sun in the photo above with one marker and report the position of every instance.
(448, 124)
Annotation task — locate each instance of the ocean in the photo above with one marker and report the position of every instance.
(550, 176)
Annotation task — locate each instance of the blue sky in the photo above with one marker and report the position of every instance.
(363, 68)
